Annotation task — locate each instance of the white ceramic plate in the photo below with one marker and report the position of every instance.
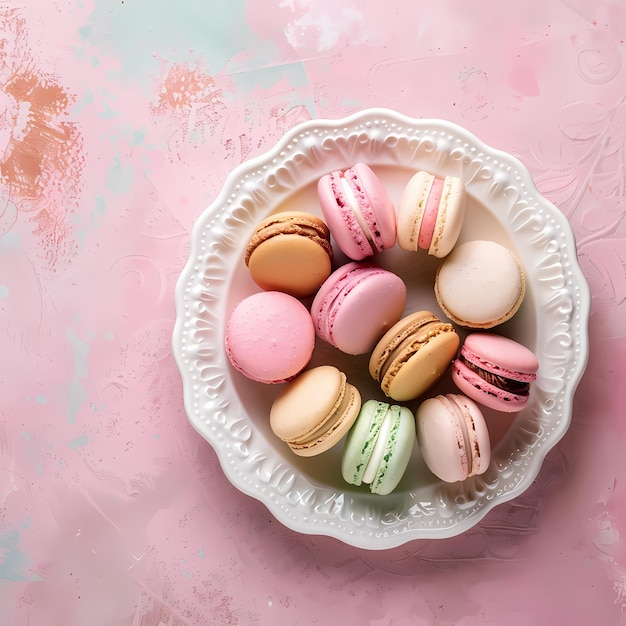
(231, 412)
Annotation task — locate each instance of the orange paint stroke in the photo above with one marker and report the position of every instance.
(41, 159)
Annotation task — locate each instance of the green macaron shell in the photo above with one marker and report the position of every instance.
(361, 439)
(397, 451)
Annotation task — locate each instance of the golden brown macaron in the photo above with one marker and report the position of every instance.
(315, 410)
(413, 354)
(290, 252)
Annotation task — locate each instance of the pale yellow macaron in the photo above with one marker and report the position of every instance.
(413, 354)
(315, 410)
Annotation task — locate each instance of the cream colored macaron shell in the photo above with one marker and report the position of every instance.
(440, 216)
(480, 284)
(315, 410)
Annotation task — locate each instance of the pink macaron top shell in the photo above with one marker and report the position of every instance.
(269, 337)
(358, 211)
(501, 355)
(507, 361)
(431, 211)
(356, 305)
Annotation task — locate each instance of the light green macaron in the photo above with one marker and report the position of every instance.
(379, 446)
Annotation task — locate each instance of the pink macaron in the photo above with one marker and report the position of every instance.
(495, 371)
(358, 211)
(269, 337)
(431, 213)
(453, 437)
(356, 305)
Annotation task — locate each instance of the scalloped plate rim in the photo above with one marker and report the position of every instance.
(392, 539)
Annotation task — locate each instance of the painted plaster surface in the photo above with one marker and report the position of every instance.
(119, 122)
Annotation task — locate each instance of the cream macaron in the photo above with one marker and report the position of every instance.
(315, 410)
(480, 284)
(431, 213)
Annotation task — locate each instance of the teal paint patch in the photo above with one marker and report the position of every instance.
(84, 32)
(76, 392)
(120, 177)
(40, 399)
(9, 242)
(138, 137)
(25, 435)
(176, 31)
(78, 442)
(4, 291)
(83, 102)
(109, 336)
(13, 564)
(201, 553)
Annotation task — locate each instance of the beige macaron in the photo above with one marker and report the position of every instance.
(480, 284)
(290, 252)
(413, 354)
(431, 213)
(315, 410)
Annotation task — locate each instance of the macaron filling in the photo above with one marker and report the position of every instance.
(431, 210)
(499, 380)
(407, 344)
(349, 194)
(462, 423)
(371, 441)
(346, 205)
(329, 426)
(383, 449)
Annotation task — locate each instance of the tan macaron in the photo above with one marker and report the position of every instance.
(290, 252)
(315, 410)
(413, 354)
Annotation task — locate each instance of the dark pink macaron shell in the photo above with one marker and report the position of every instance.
(495, 371)
(376, 230)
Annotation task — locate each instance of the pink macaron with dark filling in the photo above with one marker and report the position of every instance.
(269, 337)
(358, 211)
(356, 305)
(495, 371)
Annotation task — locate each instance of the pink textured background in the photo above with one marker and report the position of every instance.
(119, 121)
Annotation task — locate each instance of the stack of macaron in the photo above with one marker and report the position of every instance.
(358, 307)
